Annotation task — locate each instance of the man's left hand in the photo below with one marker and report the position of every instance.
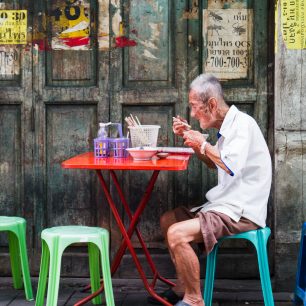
(193, 139)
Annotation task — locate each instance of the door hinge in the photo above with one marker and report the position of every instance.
(32, 118)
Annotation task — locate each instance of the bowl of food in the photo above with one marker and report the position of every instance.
(142, 153)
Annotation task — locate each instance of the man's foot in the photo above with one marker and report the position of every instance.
(181, 303)
(169, 295)
(199, 302)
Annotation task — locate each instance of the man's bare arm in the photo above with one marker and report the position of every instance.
(212, 157)
(213, 154)
(209, 163)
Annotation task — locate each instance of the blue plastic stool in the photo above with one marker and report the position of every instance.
(259, 239)
(300, 286)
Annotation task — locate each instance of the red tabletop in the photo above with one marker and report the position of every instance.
(88, 161)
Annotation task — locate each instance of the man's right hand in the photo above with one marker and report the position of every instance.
(178, 127)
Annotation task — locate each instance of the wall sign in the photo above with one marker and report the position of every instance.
(9, 61)
(13, 27)
(228, 39)
(293, 17)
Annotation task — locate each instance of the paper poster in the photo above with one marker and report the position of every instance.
(228, 40)
(9, 61)
(70, 25)
(293, 23)
(13, 27)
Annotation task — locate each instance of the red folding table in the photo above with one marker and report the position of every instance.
(172, 163)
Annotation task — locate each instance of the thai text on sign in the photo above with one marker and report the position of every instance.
(13, 27)
(228, 40)
(293, 23)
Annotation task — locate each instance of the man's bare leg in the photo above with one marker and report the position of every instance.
(166, 220)
(185, 259)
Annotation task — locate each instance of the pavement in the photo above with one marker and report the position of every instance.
(131, 293)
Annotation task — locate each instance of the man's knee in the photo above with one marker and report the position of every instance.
(166, 220)
(175, 236)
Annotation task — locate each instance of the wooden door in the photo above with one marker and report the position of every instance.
(174, 41)
(70, 88)
(16, 135)
(90, 61)
(149, 80)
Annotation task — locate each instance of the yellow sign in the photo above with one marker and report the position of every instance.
(293, 14)
(70, 25)
(13, 27)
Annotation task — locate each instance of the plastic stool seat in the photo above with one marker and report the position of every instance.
(54, 241)
(66, 232)
(16, 229)
(259, 239)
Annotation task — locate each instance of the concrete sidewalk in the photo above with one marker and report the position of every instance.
(131, 293)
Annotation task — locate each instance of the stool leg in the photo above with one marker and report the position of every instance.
(94, 268)
(54, 273)
(263, 264)
(43, 274)
(210, 275)
(24, 261)
(108, 287)
(15, 260)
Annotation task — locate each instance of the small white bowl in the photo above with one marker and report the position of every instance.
(142, 153)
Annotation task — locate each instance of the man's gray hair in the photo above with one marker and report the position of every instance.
(207, 86)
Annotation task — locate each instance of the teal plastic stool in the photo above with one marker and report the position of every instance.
(300, 286)
(54, 241)
(16, 229)
(259, 239)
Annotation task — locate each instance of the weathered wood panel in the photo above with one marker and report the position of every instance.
(70, 195)
(71, 31)
(289, 133)
(154, 89)
(16, 147)
(290, 98)
(162, 197)
(150, 62)
(10, 159)
(289, 185)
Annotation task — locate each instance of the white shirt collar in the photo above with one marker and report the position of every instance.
(228, 120)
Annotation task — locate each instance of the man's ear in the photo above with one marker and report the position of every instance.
(213, 104)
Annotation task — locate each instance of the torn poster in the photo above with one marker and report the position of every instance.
(13, 27)
(293, 27)
(70, 25)
(228, 41)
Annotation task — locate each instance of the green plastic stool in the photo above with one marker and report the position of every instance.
(54, 242)
(259, 239)
(16, 229)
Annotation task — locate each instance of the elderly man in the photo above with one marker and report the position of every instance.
(237, 204)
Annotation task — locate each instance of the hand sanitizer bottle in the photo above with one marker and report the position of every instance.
(102, 133)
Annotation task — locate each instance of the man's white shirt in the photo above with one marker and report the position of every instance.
(245, 191)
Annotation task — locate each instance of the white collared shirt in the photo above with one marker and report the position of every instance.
(244, 192)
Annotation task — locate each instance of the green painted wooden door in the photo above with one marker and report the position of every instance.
(16, 136)
(70, 86)
(176, 41)
(94, 61)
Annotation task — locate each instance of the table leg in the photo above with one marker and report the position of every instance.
(156, 274)
(126, 236)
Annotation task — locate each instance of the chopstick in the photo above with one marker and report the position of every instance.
(134, 122)
(131, 121)
(182, 122)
